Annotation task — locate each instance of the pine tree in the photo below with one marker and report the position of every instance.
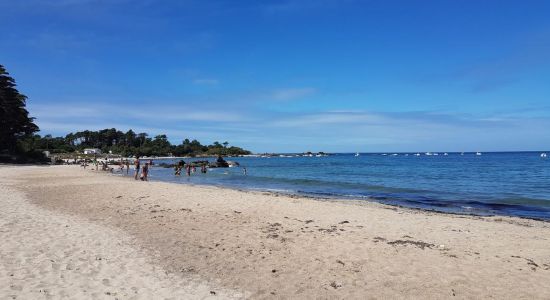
(15, 122)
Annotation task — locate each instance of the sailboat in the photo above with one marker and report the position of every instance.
(357, 154)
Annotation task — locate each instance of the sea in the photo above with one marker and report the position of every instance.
(489, 183)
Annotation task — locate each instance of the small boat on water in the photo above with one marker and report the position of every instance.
(357, 154)
(478, 153)
(543, 155)
(417, 154)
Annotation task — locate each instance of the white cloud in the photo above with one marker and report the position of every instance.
(324, 131)
(287, 94)
(206, 81)
(140, 112)
(327, 119)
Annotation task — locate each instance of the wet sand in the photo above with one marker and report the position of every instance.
(214, 242)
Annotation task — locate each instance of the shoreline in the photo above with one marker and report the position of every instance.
(369, 200)
(341, 198)
(271, 247)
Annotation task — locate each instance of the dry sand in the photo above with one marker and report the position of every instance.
(82, 233)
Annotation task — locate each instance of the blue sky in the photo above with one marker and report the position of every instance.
(289, 75)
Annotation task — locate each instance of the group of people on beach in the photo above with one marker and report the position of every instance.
(124, 163)
(144, 170)
(139, 172)
(188, 168)
(96, 163)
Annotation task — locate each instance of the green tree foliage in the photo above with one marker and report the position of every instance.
(15, 123)
(128, 144)
(17, 134)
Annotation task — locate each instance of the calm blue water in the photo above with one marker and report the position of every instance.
(516, 184)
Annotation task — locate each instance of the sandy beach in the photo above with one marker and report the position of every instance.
(70, 232)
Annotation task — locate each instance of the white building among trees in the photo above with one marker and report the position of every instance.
(92, 151)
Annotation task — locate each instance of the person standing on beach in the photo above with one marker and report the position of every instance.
(136, 167)
(127, 167)
(145, 172)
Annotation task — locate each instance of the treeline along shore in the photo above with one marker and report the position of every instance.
(127, 144)
(20, 143)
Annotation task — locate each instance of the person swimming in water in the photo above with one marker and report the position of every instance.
(179, 167)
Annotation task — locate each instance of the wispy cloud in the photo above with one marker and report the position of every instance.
(56, 42)
(143, 112)
(409, 131)
(329, 130)
(291, 6)
(206, 81)
(287, 94)
(381, 118)
(508, 69)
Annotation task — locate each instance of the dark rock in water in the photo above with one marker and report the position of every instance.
(165, 165)
(199, 163)
(233, 163)
(218, 164)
